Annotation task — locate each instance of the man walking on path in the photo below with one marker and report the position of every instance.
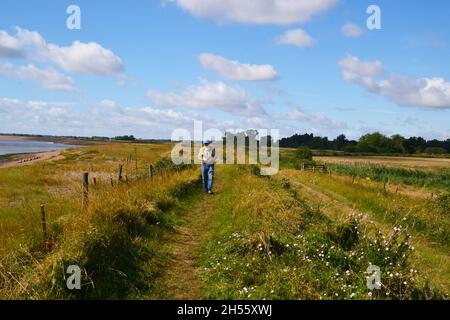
(207, 155)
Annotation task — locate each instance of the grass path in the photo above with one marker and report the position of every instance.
(428, 258)
(180, 280)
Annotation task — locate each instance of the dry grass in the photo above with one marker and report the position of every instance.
(407, 162)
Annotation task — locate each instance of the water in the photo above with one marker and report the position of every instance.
(13, 146)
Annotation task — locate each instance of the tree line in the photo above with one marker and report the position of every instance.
(369, 143)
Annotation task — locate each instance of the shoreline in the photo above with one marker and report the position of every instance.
(23, 159)
(60, 140)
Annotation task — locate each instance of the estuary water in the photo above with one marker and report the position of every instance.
(15, 146)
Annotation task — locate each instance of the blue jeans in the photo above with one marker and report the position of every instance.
(207, 176)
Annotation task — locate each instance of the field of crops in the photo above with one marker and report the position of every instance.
(296, 235)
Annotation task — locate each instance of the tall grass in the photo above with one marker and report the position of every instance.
(115, 240)
(267, 243)
(415, 177)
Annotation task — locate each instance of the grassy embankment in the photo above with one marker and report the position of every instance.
(258, 237)
(415, 200)
(113, 240)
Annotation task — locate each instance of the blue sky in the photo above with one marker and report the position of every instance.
(149, 67)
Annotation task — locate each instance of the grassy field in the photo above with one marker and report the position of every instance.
(296, 235)
(405, 162)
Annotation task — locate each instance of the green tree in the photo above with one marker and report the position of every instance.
(374, 142)
(304, 153)
(340, 142)
(398, 144)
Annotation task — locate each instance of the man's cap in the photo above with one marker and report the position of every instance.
(207, 142)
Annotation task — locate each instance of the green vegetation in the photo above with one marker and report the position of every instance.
(304, 154)
(374, 143)
(293, 236)
(125, 138)
(115, 240)
(415, 177)
(268, 244)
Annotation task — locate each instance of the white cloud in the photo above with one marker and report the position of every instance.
(48, 78)
(9, 46)
(278, 12)
(209, 95)
(351, 30)
(353, 67)
(296, 37)
(84, 58)
(420, 92)
(361, 72)
(105, 118)
(234, 70)
(431, 93)
(318, 119)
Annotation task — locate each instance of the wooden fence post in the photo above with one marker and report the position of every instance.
(136, 167)
(120, 173)
(85, 188)
(43, 221)
(95, 181)
(150, 172)
(112, 182)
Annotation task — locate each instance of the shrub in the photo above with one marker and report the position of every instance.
(434, 151)
(304, 153)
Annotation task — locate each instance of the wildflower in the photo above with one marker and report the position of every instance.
(370, 294)
(352, 295)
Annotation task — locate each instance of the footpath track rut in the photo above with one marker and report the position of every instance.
(181, 280)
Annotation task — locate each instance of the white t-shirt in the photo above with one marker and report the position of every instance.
(207, 154)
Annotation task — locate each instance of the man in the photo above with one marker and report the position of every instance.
(207, 155)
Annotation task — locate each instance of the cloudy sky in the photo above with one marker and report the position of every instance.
(149, 67)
